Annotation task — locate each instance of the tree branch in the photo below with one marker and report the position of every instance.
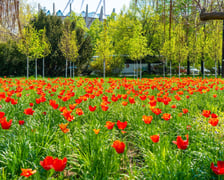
(211, 15)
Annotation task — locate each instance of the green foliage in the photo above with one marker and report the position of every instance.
(138, 44)
(29, 44)
(54, 30)
(12, 60)
(104, 52)
(95, 29)
(180, 43)
(44, 43)
(68, 45)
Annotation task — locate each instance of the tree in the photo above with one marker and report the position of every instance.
(83, 43)
(54, 28)
(27, 44)
(45, 45)
(74, 49)
(194, 47)
(65, 48)
(68, 46)
(215, 43)
(37, 49)
(181, 49)
(95, 29)
(104, 50)
(138, 46)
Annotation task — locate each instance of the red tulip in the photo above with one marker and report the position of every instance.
(79, 111)
(64, 128)
(124, 103)
(155, 138)
(5, 124)
(96, 131)
(185, 111)
(219, 169)
(157, 111)
(14, 102)
(21, 122)
(181, 144)
(109, 125)
(152, 102)
(166, 116)
(118, 146)
(147, 119)
(59, 165)
(121, 125)
(27, 172)
(131, 100)
(2, 114)
(213, 121)
(206, 113)
(143, 97)
(31, 104)
(92, 108)
(214, 115)
(28, 111)
(104, 108)
(174, 106)
(47, 163)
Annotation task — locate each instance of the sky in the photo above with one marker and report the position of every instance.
(92, 5)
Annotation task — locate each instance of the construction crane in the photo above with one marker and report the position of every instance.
(69, 2)
(104, 12)
(82, 5)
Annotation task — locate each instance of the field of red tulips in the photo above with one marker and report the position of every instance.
(87, 128)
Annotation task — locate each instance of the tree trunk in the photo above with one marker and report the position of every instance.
(219, 70)
(104, 69)
(170, 70)
(43, 67)
(188, 65)
(163, 69)
(179, 70)
(140, 69)
(36, 68)
(66, 70)
(73, 70)
(134, 69)
(215, 70)
(202, 67)
(70, 69)
(137, 68)
(223, 50)
(193, 70)
(27, 67)
(203, 70)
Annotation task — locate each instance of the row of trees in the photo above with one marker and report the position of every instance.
(51, 39)
(167, 29)
(170, 30)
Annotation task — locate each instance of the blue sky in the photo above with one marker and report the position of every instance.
(60, 4)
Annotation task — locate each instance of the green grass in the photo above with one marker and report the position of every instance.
(90, 155)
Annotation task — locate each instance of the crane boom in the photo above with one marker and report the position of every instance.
(69, 2)
(82, 4)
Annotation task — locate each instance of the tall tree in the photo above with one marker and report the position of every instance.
(65, 48)
(104, 51)
(138, 46)
(28, 43)
(45, 45)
